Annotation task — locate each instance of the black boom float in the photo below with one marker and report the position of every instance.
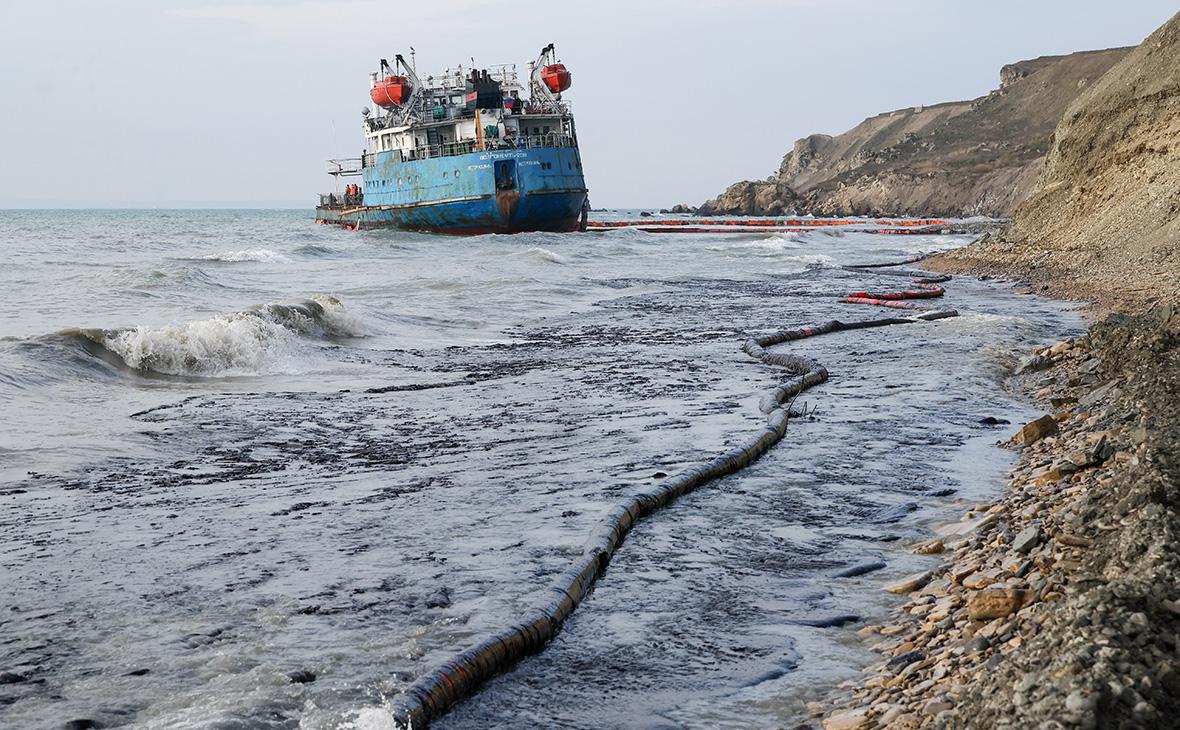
(461, 675)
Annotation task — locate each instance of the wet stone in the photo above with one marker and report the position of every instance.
(861, 569)
(902, 660)
(1032, 364)
(910, 583)
(930, 547)
(848, 720)
(993, 421)
(1028, 539)
(1036, 430)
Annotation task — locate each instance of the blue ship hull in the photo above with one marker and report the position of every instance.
(492, 191)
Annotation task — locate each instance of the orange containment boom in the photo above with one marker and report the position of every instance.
(767, 225)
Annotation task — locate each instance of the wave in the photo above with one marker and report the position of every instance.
(263, 255)
(772, 245)
(314, 249)
(259, 340)
(545, 255)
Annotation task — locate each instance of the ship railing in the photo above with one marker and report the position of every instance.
(429, 112)
(430, 151)
(548, 108)
(445, 112)
(340, 200)
(453, 81)
(550, 139)
(451, 149)
(449, 112)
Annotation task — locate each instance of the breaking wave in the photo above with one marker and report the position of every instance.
(264, 255)
(261, 339)
(772, 245)
(546, 255)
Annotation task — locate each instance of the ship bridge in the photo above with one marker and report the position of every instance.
(466, 110)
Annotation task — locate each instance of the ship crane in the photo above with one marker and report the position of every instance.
(548, 77)
(399, 91)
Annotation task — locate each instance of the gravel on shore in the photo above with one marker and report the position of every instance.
(1057, 605)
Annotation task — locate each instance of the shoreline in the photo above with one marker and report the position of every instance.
(1038, 611)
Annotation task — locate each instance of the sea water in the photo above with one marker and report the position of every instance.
(238, 448)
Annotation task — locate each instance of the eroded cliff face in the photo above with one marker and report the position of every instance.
(1105, 219)
(978, 157)
(1111, 188)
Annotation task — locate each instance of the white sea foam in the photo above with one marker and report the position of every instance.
(546, 255)
(933, 243)
(772, 245)
(804, 261)
(264, 255)
(371, 718)
(264, 339)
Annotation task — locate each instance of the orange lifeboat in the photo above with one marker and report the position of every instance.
(556, 77)
(390, 91)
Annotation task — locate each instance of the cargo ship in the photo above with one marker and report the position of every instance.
(465, 152)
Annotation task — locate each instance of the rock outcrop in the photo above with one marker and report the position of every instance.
(1105, 219)
(962, 158)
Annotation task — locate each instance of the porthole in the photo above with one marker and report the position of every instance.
(456, 173)
(444, 174)
(399, 181)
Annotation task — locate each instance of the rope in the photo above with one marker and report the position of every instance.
(461, 675)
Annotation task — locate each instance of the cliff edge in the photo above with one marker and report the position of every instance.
(1104, 221)
(961, 158)
(1058, 604)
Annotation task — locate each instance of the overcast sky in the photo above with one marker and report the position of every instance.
(162, 103)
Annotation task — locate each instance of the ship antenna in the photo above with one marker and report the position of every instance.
(414, 59)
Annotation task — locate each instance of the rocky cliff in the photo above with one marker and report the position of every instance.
(1103, 225)
(1105, 218)
(978, 157)
(1077, 625)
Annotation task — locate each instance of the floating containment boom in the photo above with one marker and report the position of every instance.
(462, 674)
